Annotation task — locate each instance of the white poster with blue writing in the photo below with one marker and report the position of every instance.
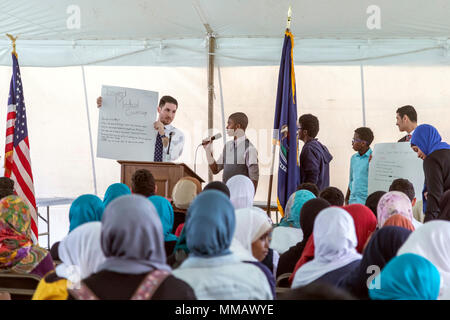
(125, 124)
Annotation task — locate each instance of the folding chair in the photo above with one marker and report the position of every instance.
(19, 286)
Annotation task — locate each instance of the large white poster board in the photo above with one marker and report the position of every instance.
(391, 161)
(125, 124)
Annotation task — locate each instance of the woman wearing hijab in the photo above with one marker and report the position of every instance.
(242, 191)
(183, 193)
(407, 277)
(444, 206)
(399, 221)
(135, 267)
(382, 247)
(251, 240)
(335, 252)
(85, 208)
(435, 153)
(80, 254)
(431, 241)
(395, 202)
(165, 212)
(114, 191)
(289, 232)
(308, 214)
(211, 269)
(18, 254)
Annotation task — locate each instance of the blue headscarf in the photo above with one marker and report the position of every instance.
(114, 191)
(85, 208)
(210, 225)
(407, 277)
(294, 206)
(428, 139)
(165, 213)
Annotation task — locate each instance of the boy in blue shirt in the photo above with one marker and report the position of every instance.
(359, 166)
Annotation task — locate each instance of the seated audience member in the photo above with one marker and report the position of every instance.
(288, 232)
(85, 208)
(398, 220)
(17, 251)
(403, 185)
(333, 195)
(251, 240)
(211, 269)
(135, 267)
(431, 242)
(407, 277)
(316, 291)
(335, 249)
(395, 202)
(183, 193)
(372, 201)
(114, 191)
(309, 212)
(242, 191)
(81, 255)
(165, 213)
(143, 183)
(6, 187)
(310, 187)
(218, 185)
(444, 205)
(382, 247)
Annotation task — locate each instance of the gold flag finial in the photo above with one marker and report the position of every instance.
(13, 40)
(288, 25)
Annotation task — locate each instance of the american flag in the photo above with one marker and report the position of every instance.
(17, 147)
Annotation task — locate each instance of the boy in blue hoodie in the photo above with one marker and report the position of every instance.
(315, 157)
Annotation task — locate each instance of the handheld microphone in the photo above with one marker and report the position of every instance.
(210, 139)
(170, 140)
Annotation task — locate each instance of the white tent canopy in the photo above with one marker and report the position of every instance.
(174, 33)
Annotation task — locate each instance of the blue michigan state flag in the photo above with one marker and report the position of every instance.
(285, 126)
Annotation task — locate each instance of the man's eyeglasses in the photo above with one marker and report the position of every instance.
(357, 140)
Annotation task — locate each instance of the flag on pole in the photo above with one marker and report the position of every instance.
(285, 126)
(17, 147)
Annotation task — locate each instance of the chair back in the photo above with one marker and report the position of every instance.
(19, 286)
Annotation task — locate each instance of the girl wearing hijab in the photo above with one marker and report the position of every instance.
(114, 191)
(444, 205)
(407, 277)
(395, 202)
(81, 254)
(135, 267)
(85, 208)
(165, 212)
(242, 191)
(431, 241)
(18, 254)
(435, 153)
(251, 240)
(183, 193)
(335, 252)
(308, 214)
(211, 269)
(399, 221)
(288, 232)
(382, 247)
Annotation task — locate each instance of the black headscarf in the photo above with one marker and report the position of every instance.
(217, 185)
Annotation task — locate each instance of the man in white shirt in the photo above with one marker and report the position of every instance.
(169, 140)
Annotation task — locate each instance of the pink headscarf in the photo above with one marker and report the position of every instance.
(394, 202)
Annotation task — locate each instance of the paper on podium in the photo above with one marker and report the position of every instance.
(125, 124)
(391, 161)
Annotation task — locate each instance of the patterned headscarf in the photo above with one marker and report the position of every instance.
(294, 206)
(394, 202)
(85, 208)
(115, 190)
(428, 139)
(165, 213)
(17, 252)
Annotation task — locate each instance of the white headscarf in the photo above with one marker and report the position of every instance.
(432, 241)
(242, 191)
(335, 244)
(251, 224)
(81, 248)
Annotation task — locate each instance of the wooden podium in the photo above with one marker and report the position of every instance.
(166, 174)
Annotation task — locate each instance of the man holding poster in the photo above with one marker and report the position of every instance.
(169, 140)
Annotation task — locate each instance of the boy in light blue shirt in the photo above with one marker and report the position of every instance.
(359, 166)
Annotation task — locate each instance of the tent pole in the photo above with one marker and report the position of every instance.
(90, 132)
(222, 107)
(212, 45)
(363, 95)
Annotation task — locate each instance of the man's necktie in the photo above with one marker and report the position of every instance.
(158, 149)
(408, 137)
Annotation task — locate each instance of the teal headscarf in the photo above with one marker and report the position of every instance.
(165, 212)
(294, 206)
(85, 208)
(407, 277)
(114, 191)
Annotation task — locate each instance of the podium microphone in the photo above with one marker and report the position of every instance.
(210, 139)
(170, 140)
